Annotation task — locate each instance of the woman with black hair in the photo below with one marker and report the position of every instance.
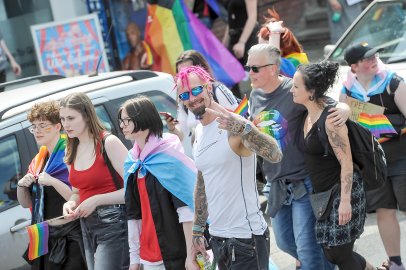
(345, 223)
(159, 180)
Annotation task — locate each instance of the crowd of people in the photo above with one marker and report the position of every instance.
(154, 207)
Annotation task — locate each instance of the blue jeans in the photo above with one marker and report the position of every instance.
(293, 227)
(105, 238)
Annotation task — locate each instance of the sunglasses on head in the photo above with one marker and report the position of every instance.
(255, 69)
(195, 92)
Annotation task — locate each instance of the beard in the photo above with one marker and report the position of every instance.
(198, 111)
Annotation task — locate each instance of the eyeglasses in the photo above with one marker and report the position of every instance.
(255, 69)
(195, 92)
(371, 58)
(125, 121)
(38, 127)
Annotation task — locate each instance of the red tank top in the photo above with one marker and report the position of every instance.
(94, 180)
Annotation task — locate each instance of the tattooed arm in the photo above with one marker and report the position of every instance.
(242, 143)
(201, 215)
(339, 141)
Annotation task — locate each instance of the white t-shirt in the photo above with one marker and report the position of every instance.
(230, 183)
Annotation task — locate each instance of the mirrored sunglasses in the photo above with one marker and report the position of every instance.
(195, 92)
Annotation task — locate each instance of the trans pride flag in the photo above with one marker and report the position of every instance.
(38, 234)
(164, 158)
(172, 28)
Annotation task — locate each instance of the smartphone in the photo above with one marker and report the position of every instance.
(168, 116)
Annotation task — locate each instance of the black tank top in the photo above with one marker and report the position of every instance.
(324, 170)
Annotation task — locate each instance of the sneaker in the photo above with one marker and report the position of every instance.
(393, 266)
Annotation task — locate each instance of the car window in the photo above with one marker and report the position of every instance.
(383, 26)
(163, 103)
(104, 117)
(10, 168)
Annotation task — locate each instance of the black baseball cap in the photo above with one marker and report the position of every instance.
(357, 52)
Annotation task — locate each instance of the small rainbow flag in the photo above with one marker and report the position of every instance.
(150, 58)
(378, 124)
(242, 108)
(38, 234)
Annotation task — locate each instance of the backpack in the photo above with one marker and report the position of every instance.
(366, 151)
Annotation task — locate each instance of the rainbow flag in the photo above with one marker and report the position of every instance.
(172, 28)
(290, 63)
(38, 234)
(378, 124)
(242, 108)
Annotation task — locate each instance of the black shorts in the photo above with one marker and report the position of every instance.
(391, 196)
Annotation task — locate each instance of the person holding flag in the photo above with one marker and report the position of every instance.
(45, 188)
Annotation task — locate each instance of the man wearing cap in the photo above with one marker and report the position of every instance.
(370, 81)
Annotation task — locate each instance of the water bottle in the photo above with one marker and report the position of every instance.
(202, 262)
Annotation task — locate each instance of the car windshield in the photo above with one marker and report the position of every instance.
(384, 26)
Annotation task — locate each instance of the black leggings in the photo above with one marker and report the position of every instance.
(344, 257)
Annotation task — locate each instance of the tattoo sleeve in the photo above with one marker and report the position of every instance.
(339, 141)
(263, 145)
(201, 212)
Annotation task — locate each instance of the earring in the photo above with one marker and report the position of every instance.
(311, 98)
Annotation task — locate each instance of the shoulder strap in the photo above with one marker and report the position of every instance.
(215, 93)
(394, 83)
(321, 128)
(112, 171)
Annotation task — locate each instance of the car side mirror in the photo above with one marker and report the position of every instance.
(328, 49)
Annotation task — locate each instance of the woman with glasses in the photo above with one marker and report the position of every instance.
(159, 182)
(46, 188)
(186, 121)
(98, 196)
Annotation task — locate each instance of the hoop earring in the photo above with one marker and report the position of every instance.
(311, 98)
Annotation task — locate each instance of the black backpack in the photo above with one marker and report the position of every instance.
(366, 151)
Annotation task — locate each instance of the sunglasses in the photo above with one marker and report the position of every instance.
(195, 92)
(255, 69)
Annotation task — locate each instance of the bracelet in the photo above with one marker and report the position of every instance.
(197, 234)
(198, 228)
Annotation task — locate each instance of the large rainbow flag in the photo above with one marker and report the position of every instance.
(378, 124)
(38, 234)
(172, 28)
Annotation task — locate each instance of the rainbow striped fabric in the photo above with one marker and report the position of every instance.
(172, 28)
(242, 108)
(378, 124)
(38, 234)
(290, 63)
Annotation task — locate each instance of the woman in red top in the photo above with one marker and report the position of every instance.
(96, 200)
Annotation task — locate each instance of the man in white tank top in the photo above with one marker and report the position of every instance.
(224, 152)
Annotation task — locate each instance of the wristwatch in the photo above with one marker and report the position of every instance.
(247, 129)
